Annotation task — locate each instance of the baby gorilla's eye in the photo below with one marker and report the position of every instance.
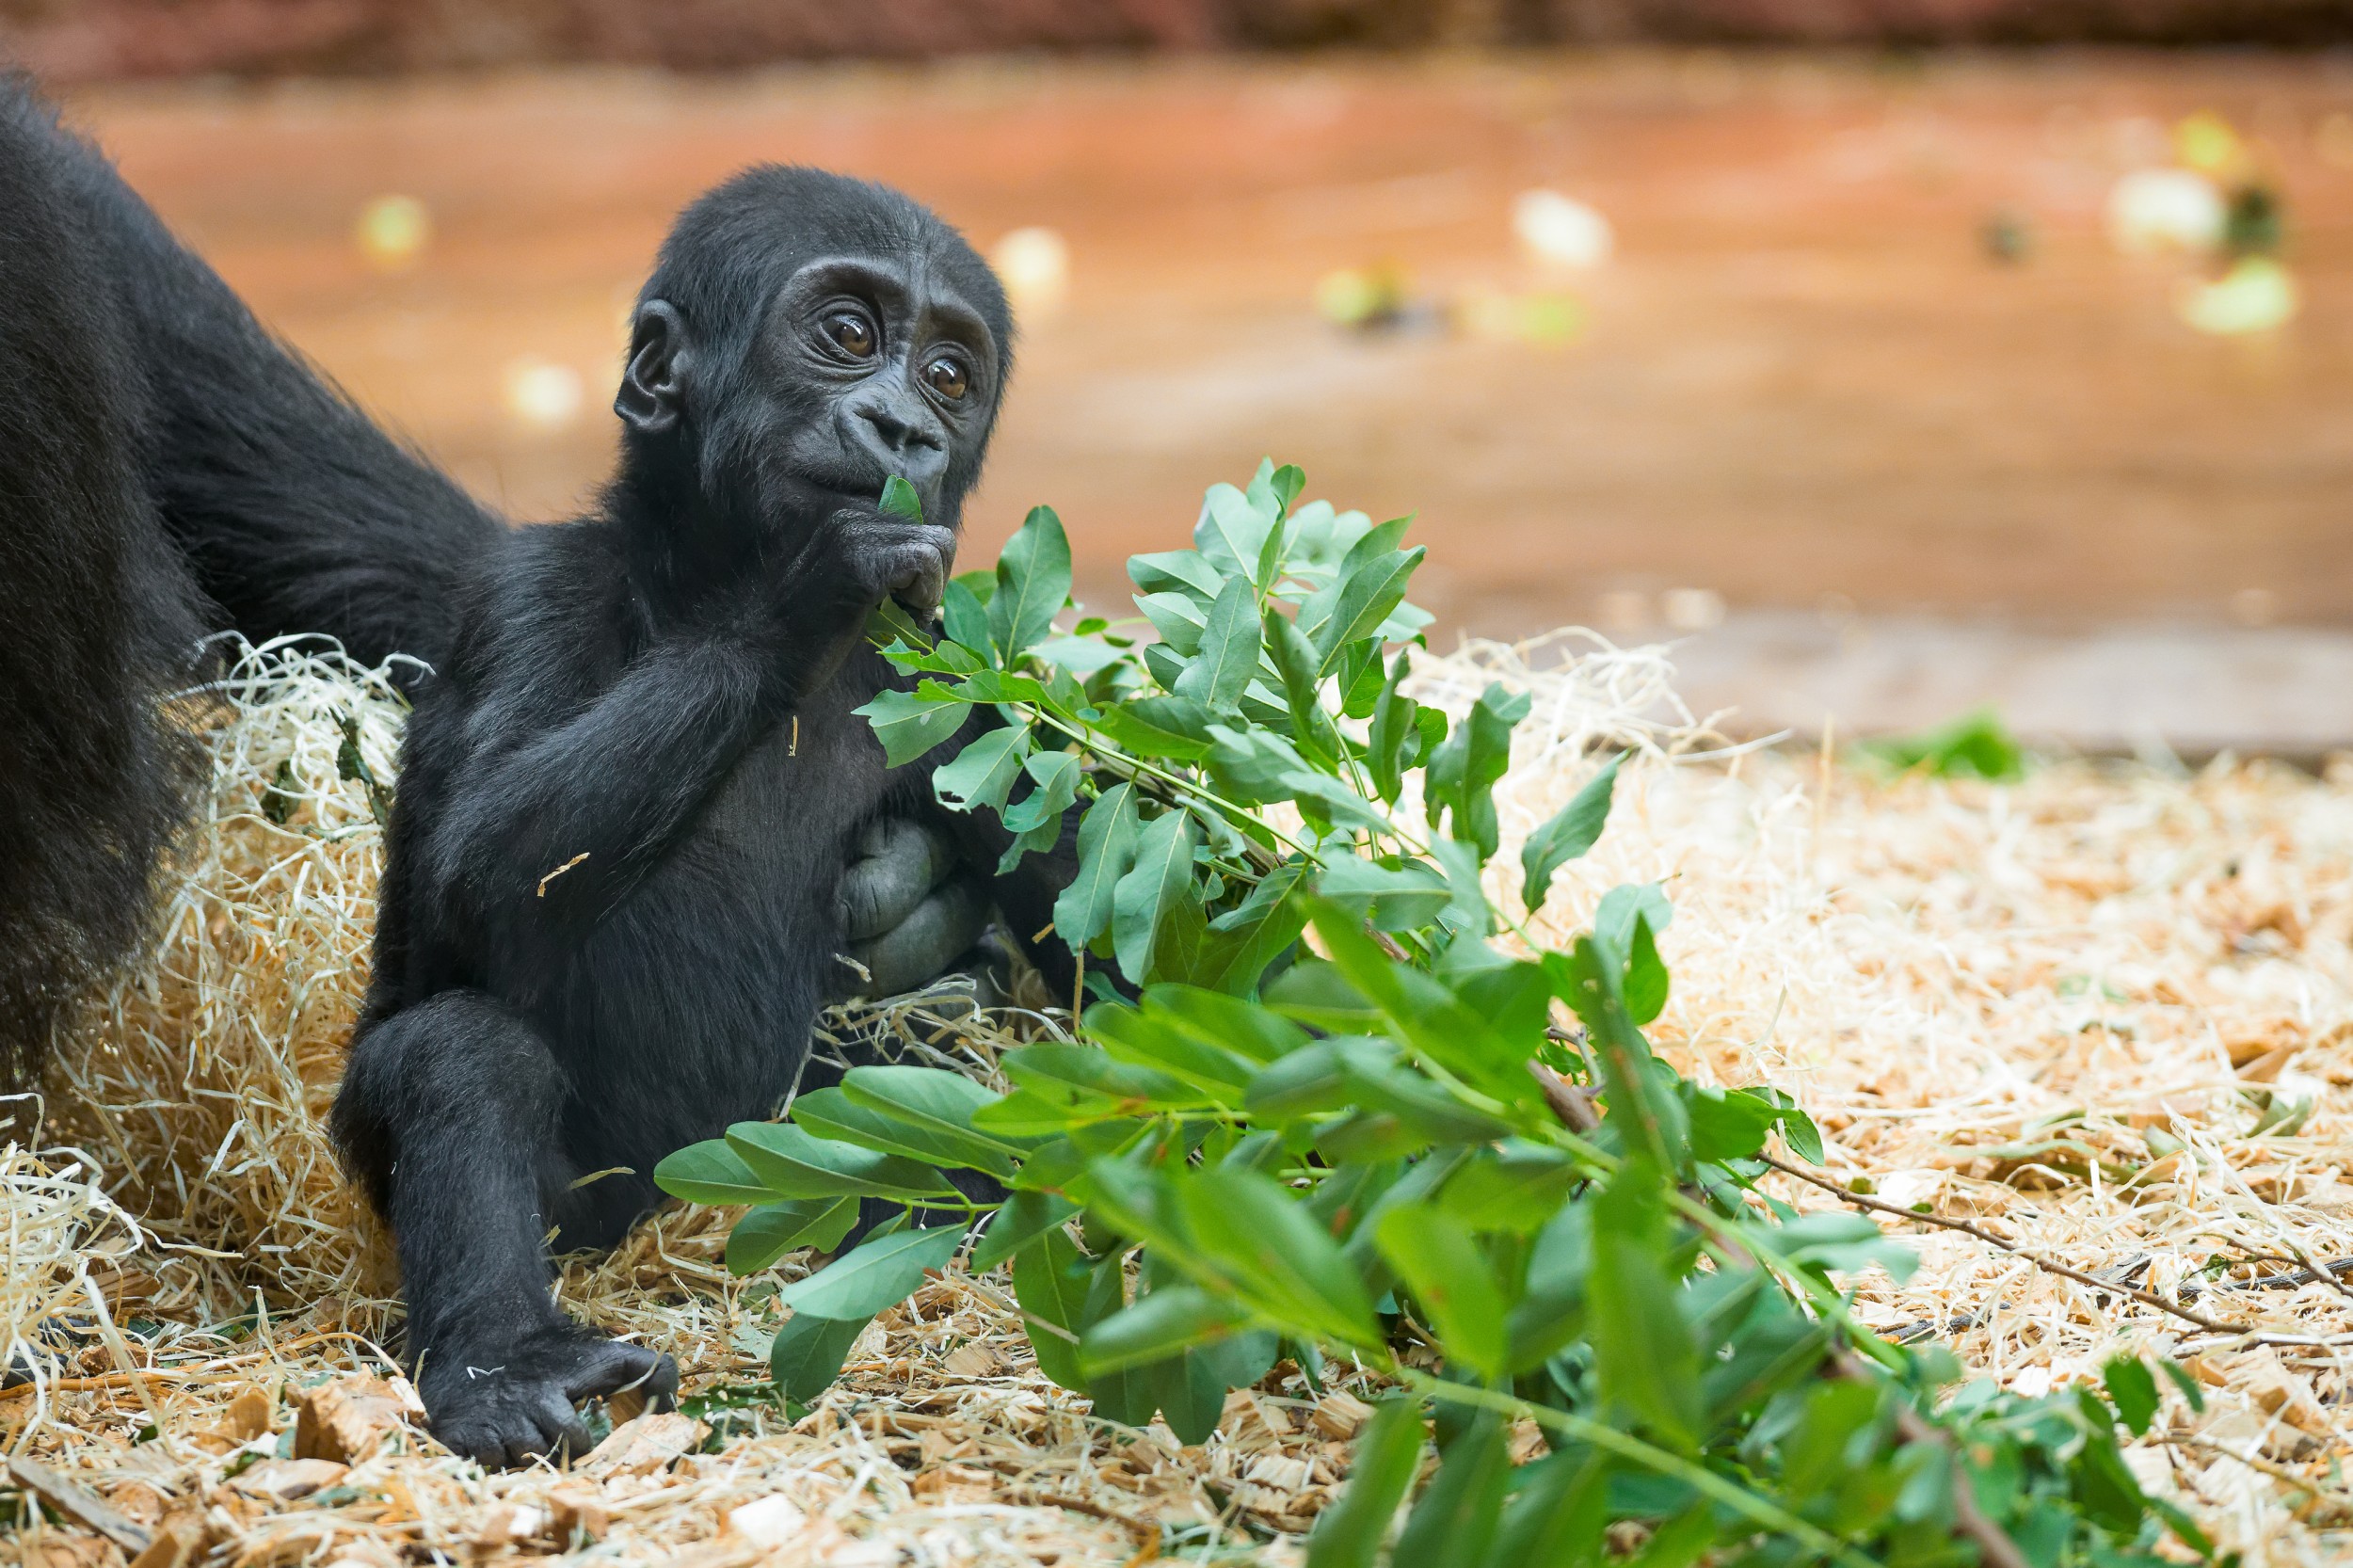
(945, 376)
(851, 333)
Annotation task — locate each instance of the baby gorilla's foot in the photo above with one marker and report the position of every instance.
(516, 1404)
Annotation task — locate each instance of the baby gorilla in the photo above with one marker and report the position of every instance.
(613, 894)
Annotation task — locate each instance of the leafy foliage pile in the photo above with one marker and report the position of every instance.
(1392, 1148)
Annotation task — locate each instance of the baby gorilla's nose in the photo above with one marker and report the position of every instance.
(901, 436)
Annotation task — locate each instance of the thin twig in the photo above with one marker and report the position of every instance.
(2148, 1298)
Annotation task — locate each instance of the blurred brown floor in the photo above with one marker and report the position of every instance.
(1803, 380)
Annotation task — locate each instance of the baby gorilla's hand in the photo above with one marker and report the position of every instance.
(906, 915)
(883, 555)
(509, 1408)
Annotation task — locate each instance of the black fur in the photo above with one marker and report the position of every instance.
(612, 892)
(96, 620)
(293, 510)
(170, 470)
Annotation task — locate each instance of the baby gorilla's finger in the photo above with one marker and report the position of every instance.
(611, 1366)
(921, 947)
(901, 860)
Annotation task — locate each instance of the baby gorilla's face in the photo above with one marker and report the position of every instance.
(871, 367)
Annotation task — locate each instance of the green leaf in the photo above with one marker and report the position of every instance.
(984, 771)
(1052, 1109)
(794, 1163)
(910, 723)
(965, 618)
(1248, 1225)
(2134, 1388)
(1173, 1318)
(773, 1230)
(1728, 1123)
(1032, 581)
(1049, 1279)
(1056, 777)
(1137, 1088)
(1450, 1277)
(900, 500)
(1559, 1507)
(1022, 1218)
(880, 1272)
(1148, 1040)
(1621, 907)
(1425, 1013)
(936, 1104)
(1163, 874)
(1457, 1518)
(1181, 619)
(1228, 652)
(1081, 656)
(1253, 766)
(1462, 777)
(1405, 899)
(809, 1351)
(1393, 745)
(1517, 1187)
(1157, 727)
(1366, 548)
(891, 626)
(1974, 745)
(1348, 1533)
(712, 1173)
(1108, 836)
(1232, 532)
(831, 1114)
(1286, 482)
(1295, 662)
(1641, 1347)
(1225, 1022)
(1178, 571)
(1366, 596)
(1589, 980)
(1567, 834)
(1646, 975)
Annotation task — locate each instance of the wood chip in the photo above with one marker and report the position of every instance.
(74, 1549)
(79, 1503)
(1340, 1415)
(973, 1359)
(289, 1479)
(509, 1525)
(249, 1415)
(348, 1420)
(181, 1539)
(955, 1483)
(647, 1444)
(576, 1512)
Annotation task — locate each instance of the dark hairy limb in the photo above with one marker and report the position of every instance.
(454, 1104)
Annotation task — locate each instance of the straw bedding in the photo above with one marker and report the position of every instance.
(2104, 1014)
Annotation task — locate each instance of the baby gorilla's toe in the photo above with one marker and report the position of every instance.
(603, 1368)
(512, 1424)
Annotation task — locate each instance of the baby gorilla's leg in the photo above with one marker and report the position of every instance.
(450, 1109)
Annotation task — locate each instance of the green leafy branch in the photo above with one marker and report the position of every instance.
(1323, 1118)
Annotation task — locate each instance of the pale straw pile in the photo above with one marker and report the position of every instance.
(2099, 1013)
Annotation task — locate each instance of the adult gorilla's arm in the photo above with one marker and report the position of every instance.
(294, 510)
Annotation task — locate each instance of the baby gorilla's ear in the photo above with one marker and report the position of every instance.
(653, 386)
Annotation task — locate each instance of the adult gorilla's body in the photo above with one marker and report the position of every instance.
(608, 910)
(170, 466)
